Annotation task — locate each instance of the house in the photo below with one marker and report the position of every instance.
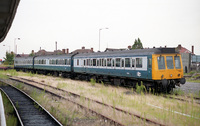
(83, 50)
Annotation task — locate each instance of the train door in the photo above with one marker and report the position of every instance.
(149, 67)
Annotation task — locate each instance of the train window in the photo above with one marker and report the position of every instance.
(161, 62)
(104, 62)
(122, 63)
(65, 61)
(94, 62)
(91, 62)
(113, 63)
(117, 62)
(88, 62)
(84, 62)
(138, 62)
(127, 62)
(77, 62)
(101, 62)
(170, 64)
(177, 62)
(109, 62)
(133, 63)
(149, 63)
(98, 63)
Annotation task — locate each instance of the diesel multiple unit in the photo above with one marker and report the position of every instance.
(158, 68)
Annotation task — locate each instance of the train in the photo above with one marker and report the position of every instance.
(159, 69)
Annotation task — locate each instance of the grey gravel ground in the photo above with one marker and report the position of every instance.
(190, 87)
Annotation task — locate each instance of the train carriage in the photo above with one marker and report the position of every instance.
(53, 64)
(23, 63)
(157, 67)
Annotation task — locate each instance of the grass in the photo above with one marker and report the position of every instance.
(145, 104)
(11, 119)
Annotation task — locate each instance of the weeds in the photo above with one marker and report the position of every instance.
(178, 92)
(61, 85)
(93, 82)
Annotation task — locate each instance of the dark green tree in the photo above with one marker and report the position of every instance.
(9, 60)
(137, 44)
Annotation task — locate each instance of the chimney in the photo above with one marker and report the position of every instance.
(179, 47)
(92, 50)
(67, 51)
(63, 51)
(83, 47)
(32, 51)
(129, 47)
(165, 46)
(192, 49)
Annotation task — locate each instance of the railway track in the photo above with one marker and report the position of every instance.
(27, 81)
(189, 99)
(28, 110)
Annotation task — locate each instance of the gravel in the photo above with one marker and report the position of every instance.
(190, 87)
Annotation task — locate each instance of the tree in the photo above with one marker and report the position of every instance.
(137, 44)
(9, 60)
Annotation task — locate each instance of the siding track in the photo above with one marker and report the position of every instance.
(27, 81)
(29, 111)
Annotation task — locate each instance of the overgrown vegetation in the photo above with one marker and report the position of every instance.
(11, 119)
(93, 82)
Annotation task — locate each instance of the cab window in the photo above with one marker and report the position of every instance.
(161, 62)
(177, 62)
(170, 64)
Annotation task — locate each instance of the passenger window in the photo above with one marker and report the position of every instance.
(88, 62)
(104, 62)
(113, 62)
(94, 62)
(98, 64)
(177, 62)
(84, 62)
(117, 62)
(161, 62)
(127, 62)
(133, 63)
(138, 62)
(122, 63)
(170, 64)
(109, 62)
(77, 62)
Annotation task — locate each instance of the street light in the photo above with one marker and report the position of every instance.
(100, 35)
(15, 46)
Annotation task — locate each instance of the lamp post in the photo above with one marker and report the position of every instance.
(15, 46)
(100, 36)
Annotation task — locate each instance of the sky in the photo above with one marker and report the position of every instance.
(76, 23)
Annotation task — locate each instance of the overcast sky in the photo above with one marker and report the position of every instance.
(76, 23)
